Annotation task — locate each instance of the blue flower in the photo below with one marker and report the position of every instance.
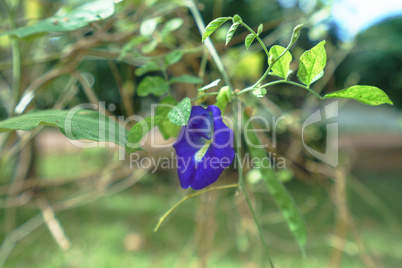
(204, 148)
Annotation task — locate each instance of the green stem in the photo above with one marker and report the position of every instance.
(282, 82)
(266, 52)
(241, 178)
(256, 37)
(16, 53)
(243, 187)
(161, 219)
(201, 27)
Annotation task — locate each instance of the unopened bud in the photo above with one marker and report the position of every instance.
(296, 33)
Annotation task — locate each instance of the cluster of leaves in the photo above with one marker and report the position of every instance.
(311, 65)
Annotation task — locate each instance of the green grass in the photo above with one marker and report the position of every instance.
(98, 230)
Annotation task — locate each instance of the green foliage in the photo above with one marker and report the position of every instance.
(185, 78)
(150, 66)
(212, 26)
(76, 124)
(231, 32)
(223, 98)
(365, 94)
(278, 192)
(237, 19)
(249, 40)
(210, 85)
(138, 131)
(148, 26)
(171, 25)
(281, 66)
(312, 63)
(180, 114)
(70, 21)
(173, 57)
(165, 126)
(152, 85)
(260, 29)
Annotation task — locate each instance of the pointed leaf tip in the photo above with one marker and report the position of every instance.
(231, 32)
(180, 114)
(213, 25)
(365, 94)
(312, 63)
(249, 40)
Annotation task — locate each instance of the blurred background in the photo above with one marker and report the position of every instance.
(100, 212)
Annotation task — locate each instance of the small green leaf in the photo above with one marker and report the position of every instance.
(185, 78)
(138, 131)
(150, 66)
(365, 94)
(180, 114)
(260, 28)
(166, 128)
(75, 124)
(149, 47)
(210, 85)
(281, 66)
(312, 63)
(259, 92)
(173, 57)
(249, 40)
(213, 25)
(75, 19)
(281, 196)
(148, 26)
(237, 19)
(172, 25)
(231, 32)
(152, 85)
(130, 46)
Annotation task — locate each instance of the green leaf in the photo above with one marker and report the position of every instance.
(259, 92)
(237, 19)
(172, 25)
(212, 26)
(281, 66)
(278, 192)
(69, 21)
(138, 131)
(173, 57)
(148, 27)
(312, 63)
(260, 28)
(180, 114)
(150, 66)
(130, 46)
(249, 40)
(152, 85)
(149, 47)
(365, 94)
(210, 85)
(231, 31)
(185, 78)
(166, 128)
(75, 124)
